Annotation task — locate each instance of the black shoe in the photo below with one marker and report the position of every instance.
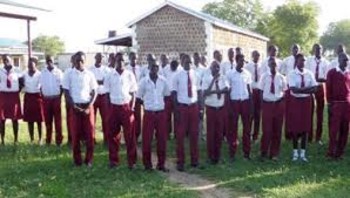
(247, 157)
(113, 165)
(163, 169)
(180, 168)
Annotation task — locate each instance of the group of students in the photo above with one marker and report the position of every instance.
(173, 97)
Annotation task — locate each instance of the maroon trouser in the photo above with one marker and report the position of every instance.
(227, 116)
(169, 114)
(287, 134)
(83, 127)
(272, 122)
(52, 111)
(69, 122)
(256, 113)
(188, 122)
(320, 102)
(121, 116)
(137, 116)
(215, 130)
(102, 103)
(240, 108)
(338, 135)
(154, 122)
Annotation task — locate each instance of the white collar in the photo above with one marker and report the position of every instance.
(341, 71)
(298, 71)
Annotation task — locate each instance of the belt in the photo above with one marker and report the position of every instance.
(340, 101)
(154, 112)
(274, 102)
(82, 105)
(214, 108)
(239, 100)
(52, 97)
(102, 94)
(186, 105)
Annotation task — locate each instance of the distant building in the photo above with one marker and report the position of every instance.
(18, 52)
(173, 29)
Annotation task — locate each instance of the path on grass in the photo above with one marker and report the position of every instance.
(193, 182)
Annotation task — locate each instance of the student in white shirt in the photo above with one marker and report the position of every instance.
(272, 52)
(214, 87)
(302, 84)
(153, 89)
(241, 105)
(101, 103)
(33, 110)
(51, 89)
(255, 69)
(273, 86)
(80, 88)
(319, 67)
(288, 64)
(10, 86)
(230, 64)
(122, 87)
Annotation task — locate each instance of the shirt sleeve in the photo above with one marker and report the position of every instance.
(205, 84)
(141, 89)
(93, 82)
(313, 80)
(133, 83)
(175, 82)
(261, 82)
(291, 81)
(65, 81)
(284, 83)
(166, 89)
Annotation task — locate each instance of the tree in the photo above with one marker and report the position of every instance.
(335, 34)
(293, 22)
(50, 45)
(243, 13)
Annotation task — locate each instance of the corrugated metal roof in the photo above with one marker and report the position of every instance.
(20, 5)
(13, 43)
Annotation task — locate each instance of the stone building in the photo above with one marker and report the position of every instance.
(173, 29)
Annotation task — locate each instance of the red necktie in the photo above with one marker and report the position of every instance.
(8, 80)
(317, 68)
(302, 84)
(189, 85)
(256, 73)
(272, 87)
(217, 88)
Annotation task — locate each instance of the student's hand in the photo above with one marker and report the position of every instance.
(87, 111)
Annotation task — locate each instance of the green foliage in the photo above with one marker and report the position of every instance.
(336, 33)
(50, 45)
(243, 13)
(294, 22)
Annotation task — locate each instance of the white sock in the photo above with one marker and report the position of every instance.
(295, 152)
(302, 153)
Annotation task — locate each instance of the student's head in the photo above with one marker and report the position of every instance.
(173, 65)
(239, 50)
(111, 59)
(215, 68)
(300, 61)
(187, 62)
(32, 62)
(151, 59)
(164, 60)
(340, 49)
(317, 50)
(6, 60)
(196, 58)
(49, 60)
(72, 60)
(343, 60)
(239, 62)
(217, 56)
(132, 58)
(231, 54)
(255, 56)
(295, 49)
(98, 58)
(273, 50)
(153, 71)
(204, 60)
(119, 60)
(80, 60)
(272, 65)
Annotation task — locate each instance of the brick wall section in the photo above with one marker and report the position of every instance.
(170, 31)
(224, 39)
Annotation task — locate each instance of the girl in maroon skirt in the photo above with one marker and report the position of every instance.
(302, 84)
(33, 104)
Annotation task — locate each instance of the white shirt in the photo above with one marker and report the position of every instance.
(170, 74)
(251, 68)
(31, 83)
(180, 85)
(101, 73)
(153, 93)
(120, 86)
(137, 71)
(239, 82)
(280, 84)
(14, 76)
(265, 64)
(80, 85)
(288, 65)
(212, 100)
(51, 81)
(225, 67)
(294, 80)
(200, 70)
(311, 64)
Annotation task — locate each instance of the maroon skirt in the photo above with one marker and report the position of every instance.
(33, 110)
(299, 115)
(10, 106)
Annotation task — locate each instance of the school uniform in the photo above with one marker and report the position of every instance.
(265, 64)
(120, 85)
(300, 104)
(101, 103)
(186, 85)
(214, 111)
(255, 70)
(10, 107)
(33, 110)
(80, 85)
(154, 119)
(68, 107)
(273, 88)
(227, 66)
(240, 106)
(51, 91)
(319, 67)
(338, 96)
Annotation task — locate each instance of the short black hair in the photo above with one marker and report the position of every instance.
(239, 56)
